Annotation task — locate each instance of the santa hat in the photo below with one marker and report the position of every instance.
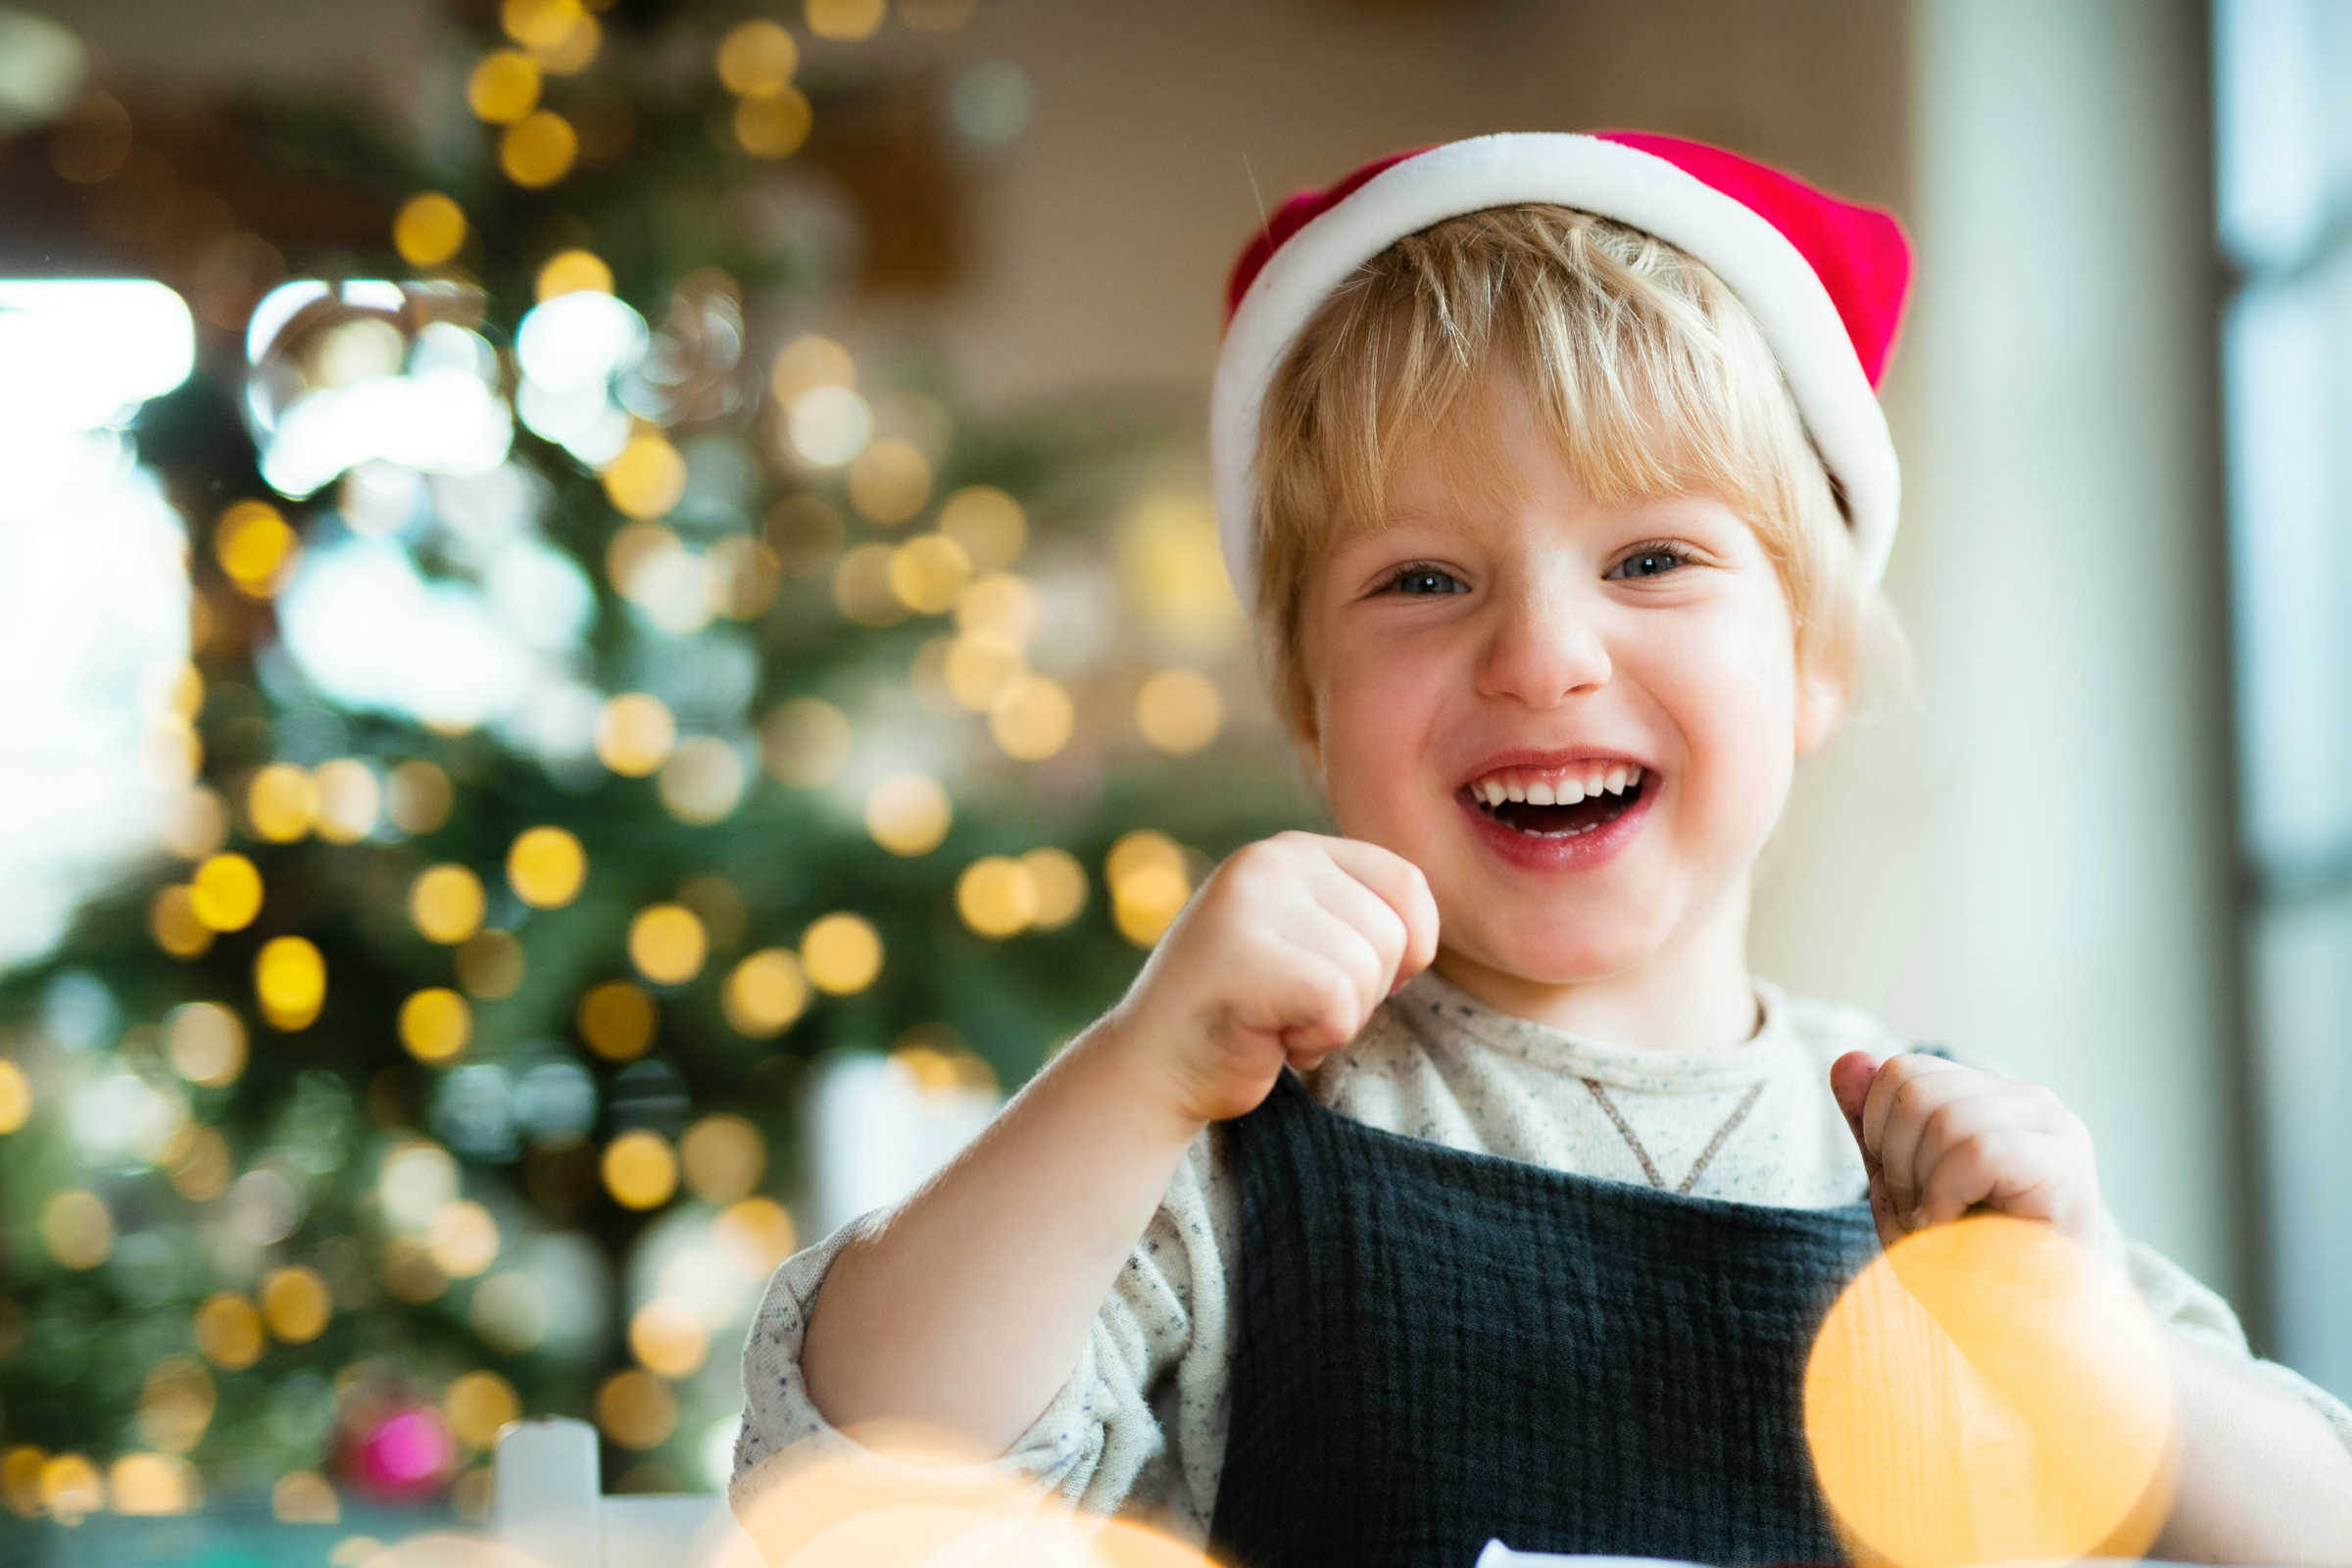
(1825, 278)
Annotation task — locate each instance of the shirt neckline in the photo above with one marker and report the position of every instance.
(1440, 1012)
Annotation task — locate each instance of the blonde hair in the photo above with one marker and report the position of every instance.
(1648, 372)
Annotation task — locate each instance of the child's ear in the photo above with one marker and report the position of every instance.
(1819, 702)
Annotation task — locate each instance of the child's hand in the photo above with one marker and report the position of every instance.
(1938, 1139)
(1281, 955)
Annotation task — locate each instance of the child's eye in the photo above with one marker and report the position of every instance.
(1418, 572)
(1656, 548)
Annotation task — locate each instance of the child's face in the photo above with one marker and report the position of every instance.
(1551, 629)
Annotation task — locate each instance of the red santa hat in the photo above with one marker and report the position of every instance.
(1825, 278)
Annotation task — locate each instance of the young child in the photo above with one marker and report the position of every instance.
(1454, 1177)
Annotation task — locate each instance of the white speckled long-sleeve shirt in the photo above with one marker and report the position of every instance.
(1139, 1428)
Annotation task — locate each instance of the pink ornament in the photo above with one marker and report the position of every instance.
(406, 1456)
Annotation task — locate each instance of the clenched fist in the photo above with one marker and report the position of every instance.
(1280, 956)
(1940, 1139)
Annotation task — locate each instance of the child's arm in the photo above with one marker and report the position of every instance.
(2262, 1476)
(968, 1309)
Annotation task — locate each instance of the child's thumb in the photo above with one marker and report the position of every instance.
(1851, 1077)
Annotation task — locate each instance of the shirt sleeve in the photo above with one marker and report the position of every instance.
(1098, 1445)
(2182, 1302)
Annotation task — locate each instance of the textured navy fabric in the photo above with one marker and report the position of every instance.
(1436, 1347)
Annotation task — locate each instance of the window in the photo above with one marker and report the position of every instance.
(2284, 161)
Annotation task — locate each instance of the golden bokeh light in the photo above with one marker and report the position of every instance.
(418, 797)
(634, 733)
(477, 1404)
(410, 1272)
(997, 896)
(1061, 883)
(225, 893)
(538, 149)
(575, 271)
(647, 479)
(723, 1156)
(912, 1494)
(151, 1484)
(861, 586)
(296, 1305)
(196, 823)
(938, 1062)
(978, 666)
(177, 1403)
(928, 571)
(988, 522)
(504, 86)
(668, 944)
(618, 1020)
(1032, 716)
(538, 24)
(72, 1488)
(1178, 710)
(1172, 571)
(21, 1478)
(745, 576)
(575, 51)
(435, 1024)
(546, 866)
(462, 1239)
(92, 142)
(78, 1227)
(173, 922)
(764, 993)
(1000, 604)
(757, 57)
(228, 1330)
(428, 230)
(804, 742)
(889, 482)
(281, 803)
(1148, 886)
(447, 903)
(15, 1096)
(636, 1409)
(908, 813)
(255, 546)
(841, 954)
(702, 780)
(489, 964)
(829, 425)
(198, 1165)
(850, 20)
(774, 125)
(1987, 1391)
(667, 1340)
(349, 799)
(206, 1043)
(640, 1169)
(289, 979)
(632, 555)
(757, 1232)
(806, 362)
(304, 1498)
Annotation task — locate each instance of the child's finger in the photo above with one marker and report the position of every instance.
(2015, 1170)
(1957, 1109)
(1917, 1083)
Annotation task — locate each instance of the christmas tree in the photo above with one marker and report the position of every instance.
(604, 694)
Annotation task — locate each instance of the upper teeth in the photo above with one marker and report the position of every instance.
(1556, 786)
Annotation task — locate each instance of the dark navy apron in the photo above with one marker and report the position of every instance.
(1436, 1347)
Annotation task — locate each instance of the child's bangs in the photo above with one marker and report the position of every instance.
(1637, 391)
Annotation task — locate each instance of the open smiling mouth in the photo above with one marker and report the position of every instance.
(1565, 821)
